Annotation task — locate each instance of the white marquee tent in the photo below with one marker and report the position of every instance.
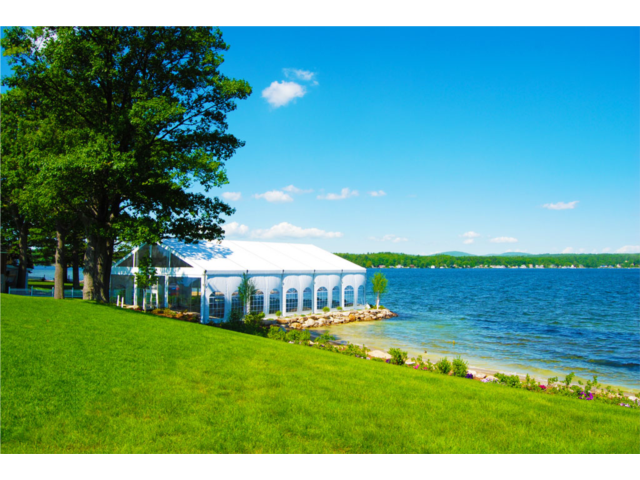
(291, 278)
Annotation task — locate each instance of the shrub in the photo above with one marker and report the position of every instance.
(235, 316)
(278, 313)
(298, 336)
(551, 380)
(339, 309)
(326, 309)
(325, 338)
(509, 380)
(254, 320)
(276, 333)
(398, 357)
(443, 366)
(355, 351)
(567, 380)
(459, 367)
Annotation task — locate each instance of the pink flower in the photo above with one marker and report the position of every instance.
(543, 387)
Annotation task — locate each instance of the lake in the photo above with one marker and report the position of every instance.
(543, 322)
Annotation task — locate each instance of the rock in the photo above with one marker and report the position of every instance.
(473, 372)
(283, 321)
(352, 318)
(379, 354)
(296, 325)
(308, 324)
(321, 322)
(409, 362)
(491, 378)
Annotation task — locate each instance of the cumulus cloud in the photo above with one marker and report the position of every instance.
(629, 249)
(274, 196)
(279, 94)
(378, 193)
(503, 240)
(561, 205)
(235, 196)
(606, 250)
(468, 241)
(344, 193)
(304, 75)
(470, 235)
(285, 229)
(390, 238)
(234, 228)
(292, 189)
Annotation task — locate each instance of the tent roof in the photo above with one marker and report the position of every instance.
(260, 257)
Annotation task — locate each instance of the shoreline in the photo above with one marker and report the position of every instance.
(487, 369)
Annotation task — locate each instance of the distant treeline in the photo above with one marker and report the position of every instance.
(388, 259)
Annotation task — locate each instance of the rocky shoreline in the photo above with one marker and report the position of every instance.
(318, 320)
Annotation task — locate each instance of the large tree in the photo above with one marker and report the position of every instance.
(142, 112)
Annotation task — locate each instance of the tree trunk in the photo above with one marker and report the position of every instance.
(75, 262)
(4, 260)
(89, 271)
(97, 268)
(377, 301)
(23, 246)
(61, 264)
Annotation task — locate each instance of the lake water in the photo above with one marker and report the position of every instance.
(543, 322)
(47, 272)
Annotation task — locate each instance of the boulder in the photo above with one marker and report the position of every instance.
(352, 318)
(296, 325)
(491, 378)
(380, 354)
(309, 323)
(283, 321)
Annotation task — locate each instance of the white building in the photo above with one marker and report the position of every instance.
(291, 278)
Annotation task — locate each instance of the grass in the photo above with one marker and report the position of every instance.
(49, 285)
(81, 377)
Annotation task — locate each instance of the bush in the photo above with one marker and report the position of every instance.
(254, 320)
(326, 309)
(278, 313)
(339, 309)
(398, 357)
(509, 380)
(298, 336)
(443, 366)
(235, 316)
(355, 351)
(276, 333)
(460, 367)
(325, 338)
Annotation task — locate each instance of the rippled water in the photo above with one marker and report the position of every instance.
(542, 322)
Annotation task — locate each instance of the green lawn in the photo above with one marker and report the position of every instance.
(80, 377)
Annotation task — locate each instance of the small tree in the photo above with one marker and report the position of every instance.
(380, 283)
(246, 290)
(145, 278)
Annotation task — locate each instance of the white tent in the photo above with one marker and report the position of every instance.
(291, 278)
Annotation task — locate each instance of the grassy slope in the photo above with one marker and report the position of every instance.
(80, 377)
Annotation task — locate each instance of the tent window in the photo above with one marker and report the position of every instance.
(335, 297)
(236, 304)
(127, 262)
(292, 300)
(216, 305)
(257, 302)
(177, 262)
(307, 300)
(322, 298)
(159, 257)
(348, 296)
(361, 295)
(274, 301)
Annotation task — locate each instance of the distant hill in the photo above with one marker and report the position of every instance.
(510, 254)
(456, 254)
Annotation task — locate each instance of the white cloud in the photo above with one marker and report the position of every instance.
(304, 75)
(235, 196)
(344, 193)
(568, 250)
(503, 240)
(378, 193)
(470, 235)
(516, 251)
(279, 94)
(390, 238)
(606, 250)
(573, 250)
(274, 196)
(285, 229)
(468, 241)
(629, 249)
(234, 228)
(561, 205)
(292, 189)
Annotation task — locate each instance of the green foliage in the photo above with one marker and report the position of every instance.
(443, 366)
(568, 379)
(276, 333)
(246, 290)
(278, 313)
(459, 367)
(398, 357)
(388, 259)
(326, 309)
(379, 284)
(254, 320)
(509, 380)
(552, 380)
(339, 309)
(325, 338)
(235, 316)
(298, 336)
(146, 275)
(355, 351)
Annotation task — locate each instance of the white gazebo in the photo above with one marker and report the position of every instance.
(291, 278)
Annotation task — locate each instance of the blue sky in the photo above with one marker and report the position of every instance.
(504, 138)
